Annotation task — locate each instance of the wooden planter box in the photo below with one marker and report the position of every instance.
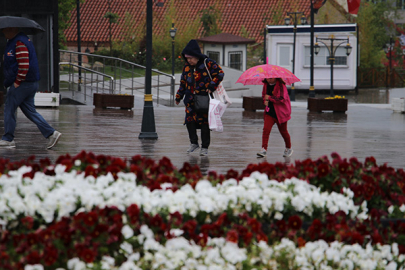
(47, 99)
(253, 103)
(321, 104)
(111, 100)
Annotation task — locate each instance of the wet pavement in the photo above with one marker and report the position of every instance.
(365, 130)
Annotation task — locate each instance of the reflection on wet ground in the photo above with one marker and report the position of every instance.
(327, 117)
(364, 130)
(370, 96)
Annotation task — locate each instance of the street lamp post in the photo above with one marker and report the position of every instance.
(293, 16)
(311, 49)
(332, 52)
(388, 49)
(172, 32)
(148, 129)
(79, 46)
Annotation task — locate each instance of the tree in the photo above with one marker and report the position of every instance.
(375, 26)
(112, 18)
(64, 14)
(210, 18)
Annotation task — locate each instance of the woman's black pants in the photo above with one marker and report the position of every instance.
(205, 134)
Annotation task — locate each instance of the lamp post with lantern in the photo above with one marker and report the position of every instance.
(293, 16)
(172, 32)
(332, 52)
(389, 47)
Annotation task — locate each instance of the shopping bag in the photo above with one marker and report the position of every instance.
(221, 95)
(215, 112)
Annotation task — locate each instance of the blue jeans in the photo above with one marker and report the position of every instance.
(23, 97)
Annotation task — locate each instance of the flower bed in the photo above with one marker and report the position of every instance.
(113, 100)
(336, 104)
(101, 212)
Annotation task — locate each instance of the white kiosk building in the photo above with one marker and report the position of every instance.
(280, 43)
(227, 50)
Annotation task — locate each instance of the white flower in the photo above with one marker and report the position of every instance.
(34, 267)
(278, 216)
(391, 209)
(127, 232)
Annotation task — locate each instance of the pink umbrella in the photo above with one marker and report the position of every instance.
(256, 74)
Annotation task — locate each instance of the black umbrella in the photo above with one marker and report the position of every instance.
(27, 26)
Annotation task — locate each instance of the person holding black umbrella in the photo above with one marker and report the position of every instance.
(21, 76)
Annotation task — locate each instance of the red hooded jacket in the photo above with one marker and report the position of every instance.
(280, 100)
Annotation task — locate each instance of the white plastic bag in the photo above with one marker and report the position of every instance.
(221, 95)
(216, 110)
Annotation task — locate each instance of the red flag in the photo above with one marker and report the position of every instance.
(351, 6)
(317, 4)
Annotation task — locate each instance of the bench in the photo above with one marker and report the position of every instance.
(253, 103)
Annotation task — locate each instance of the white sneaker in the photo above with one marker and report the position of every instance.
(192, 148)
(204, 152)
(262, 153)
(288, 152)
(7, 144)
(53, 139)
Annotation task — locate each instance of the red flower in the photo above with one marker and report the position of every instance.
(133, 212)
(323, 170)
(231, 174)
(166, 165)
(222, 219)
(281, 226)
(232, 236)
(32, 239)
(156, 221)
(202, 239)
(247, 238)
(90, 170)
(90, 218)
(176, 218)
(50, 255)
(189, 226)
(87, 255)
(343, 167)
(114, 170)
(295, 222)
(301, 242)
(370, 162)
(98, 230)
(28, 222)
(376, 238)
(357, 238)
(33, 257)
(261, 237)
(254, 224)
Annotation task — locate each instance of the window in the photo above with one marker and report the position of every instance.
(322, 59)
(213, 55)
(401, 4)
(235, 60)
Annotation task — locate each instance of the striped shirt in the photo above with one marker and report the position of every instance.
(22, 57)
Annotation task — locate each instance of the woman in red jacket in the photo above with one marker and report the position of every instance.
(277, 111)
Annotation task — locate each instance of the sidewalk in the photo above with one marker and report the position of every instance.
(365, 130)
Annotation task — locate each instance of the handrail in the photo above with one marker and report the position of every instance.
(119, 59)
(88, 69)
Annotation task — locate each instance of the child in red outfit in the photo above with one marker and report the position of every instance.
(278, 111)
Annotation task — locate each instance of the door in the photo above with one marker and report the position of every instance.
(284, 56)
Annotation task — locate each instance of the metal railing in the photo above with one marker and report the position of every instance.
(127, 77)
(85, 82)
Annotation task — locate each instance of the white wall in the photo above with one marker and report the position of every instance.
(228, 48)
(344, 77)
